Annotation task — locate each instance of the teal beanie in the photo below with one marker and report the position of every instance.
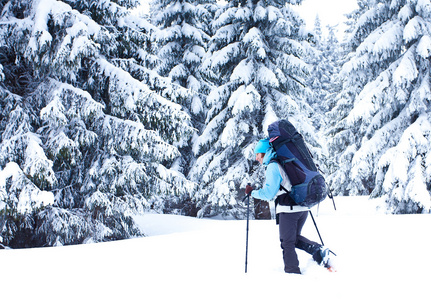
(261, 146)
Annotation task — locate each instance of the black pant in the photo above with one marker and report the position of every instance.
(290, 226)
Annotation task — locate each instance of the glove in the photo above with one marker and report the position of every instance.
(248, 189)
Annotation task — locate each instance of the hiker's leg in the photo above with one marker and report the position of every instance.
(288, 227)
(308, 246)
(305, 244)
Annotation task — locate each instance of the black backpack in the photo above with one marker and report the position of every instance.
(308, 184)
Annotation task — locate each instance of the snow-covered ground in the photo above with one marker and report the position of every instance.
(379, 257)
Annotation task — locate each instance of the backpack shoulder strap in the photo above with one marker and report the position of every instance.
(280, 164)
(276, 160)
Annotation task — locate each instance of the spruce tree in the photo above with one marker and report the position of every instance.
(382, 139)
(324, 84)
(256, 65)
(182, 37)
(323, 80)
(85, 143)
(315, 60)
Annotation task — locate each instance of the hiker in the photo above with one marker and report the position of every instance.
(291, 217)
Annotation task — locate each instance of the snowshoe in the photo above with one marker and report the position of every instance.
(325, 259)
(330, 267)
(328, 260)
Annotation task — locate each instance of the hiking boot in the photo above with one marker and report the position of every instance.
(321, 256)
(324, 253)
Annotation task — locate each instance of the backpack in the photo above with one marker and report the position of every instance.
(308, 185)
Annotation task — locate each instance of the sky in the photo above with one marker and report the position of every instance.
(331, 12)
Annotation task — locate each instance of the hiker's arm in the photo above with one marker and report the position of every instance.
(272, 184)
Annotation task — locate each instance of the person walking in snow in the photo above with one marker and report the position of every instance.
(290, 217)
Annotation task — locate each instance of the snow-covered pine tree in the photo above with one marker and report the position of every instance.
(256, 63)
(182, 37)
(314, 59)
(325, 65)
(323, 82)
(383, 137)
(84, 144)
(333, 53)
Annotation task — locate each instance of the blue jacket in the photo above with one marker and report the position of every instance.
(273, 178)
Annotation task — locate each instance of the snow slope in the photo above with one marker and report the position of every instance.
(379, 257)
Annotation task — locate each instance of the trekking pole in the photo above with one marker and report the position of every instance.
(246, 237)
(332, 197)
(315, 225)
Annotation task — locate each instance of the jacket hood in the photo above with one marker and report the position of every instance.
(270, 154)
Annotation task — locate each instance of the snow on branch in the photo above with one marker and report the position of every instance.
(19, 193)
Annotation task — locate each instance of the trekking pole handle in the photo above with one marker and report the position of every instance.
(247, 194)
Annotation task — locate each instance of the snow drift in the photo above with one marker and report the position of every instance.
(379, 256)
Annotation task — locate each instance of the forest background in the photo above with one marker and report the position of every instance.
(105, 114)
